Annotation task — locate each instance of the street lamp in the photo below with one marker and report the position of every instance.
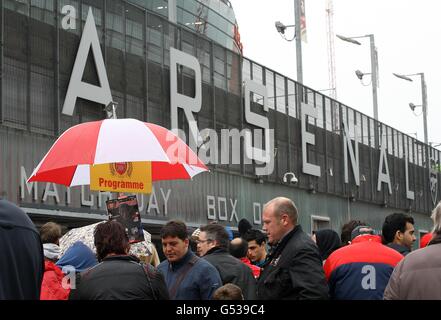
(424, 98)
(297, 36)
(412, 107)
(374, 67)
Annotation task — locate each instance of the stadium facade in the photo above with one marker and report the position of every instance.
(333, 161)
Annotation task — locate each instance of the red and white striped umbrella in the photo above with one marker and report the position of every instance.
(112, 141)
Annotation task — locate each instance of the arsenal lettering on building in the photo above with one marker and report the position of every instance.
(261, 134)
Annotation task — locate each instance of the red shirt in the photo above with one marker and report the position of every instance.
(254, 269)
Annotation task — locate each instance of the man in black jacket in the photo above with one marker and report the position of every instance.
(293, 269)
(118, 276)
(213, 246)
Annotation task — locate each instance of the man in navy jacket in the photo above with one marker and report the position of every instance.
(187, 276)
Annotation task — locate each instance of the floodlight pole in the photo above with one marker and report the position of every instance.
(423, 97)
(374, 67)
(424, 94)
(374, 71)
(297, 12)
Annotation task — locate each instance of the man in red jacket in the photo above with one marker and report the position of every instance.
(361, 270)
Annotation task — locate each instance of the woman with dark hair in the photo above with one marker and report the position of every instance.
(118, 276)
(327, 241)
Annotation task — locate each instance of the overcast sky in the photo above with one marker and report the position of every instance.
(407, 35)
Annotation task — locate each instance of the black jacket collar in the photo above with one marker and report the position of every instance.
(277, 249)
(216, 250)
(401, 249)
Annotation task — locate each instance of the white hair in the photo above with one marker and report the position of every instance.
(436, 217)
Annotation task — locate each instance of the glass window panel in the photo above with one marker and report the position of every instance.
(292, 99)
(219, 67)
(270, 88)
(411, 153)
(14, 91)
(372, 132)
(169, 35)
(365, 130)
(344, 116)
(336, 122)
(43, 10)
(359, 124)
(188, 42)
(319, 106)
(390, 141)
(43, 99)
(328, 114)
(233, 76)
(20, 6)
(257, 73)
(203, 53)
(134, 31)
(96, 11)
(246, 73)
(351, 123)
(280, 94)
(154, 39)
(114, 35)
(400, 145)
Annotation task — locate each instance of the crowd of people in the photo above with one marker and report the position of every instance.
(279, 262)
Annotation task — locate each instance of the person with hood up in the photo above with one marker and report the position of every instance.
(22, 260)
(79, 256)
(327, 241)
(243, 227)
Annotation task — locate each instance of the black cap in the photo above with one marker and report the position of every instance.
(360, 230)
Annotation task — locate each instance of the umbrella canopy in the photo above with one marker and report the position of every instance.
(85, 235)
(112, 141)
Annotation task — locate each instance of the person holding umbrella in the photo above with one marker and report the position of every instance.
(118, 276)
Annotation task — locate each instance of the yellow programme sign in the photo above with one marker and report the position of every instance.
(134, 177)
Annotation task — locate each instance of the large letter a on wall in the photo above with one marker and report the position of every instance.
(79, 89)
